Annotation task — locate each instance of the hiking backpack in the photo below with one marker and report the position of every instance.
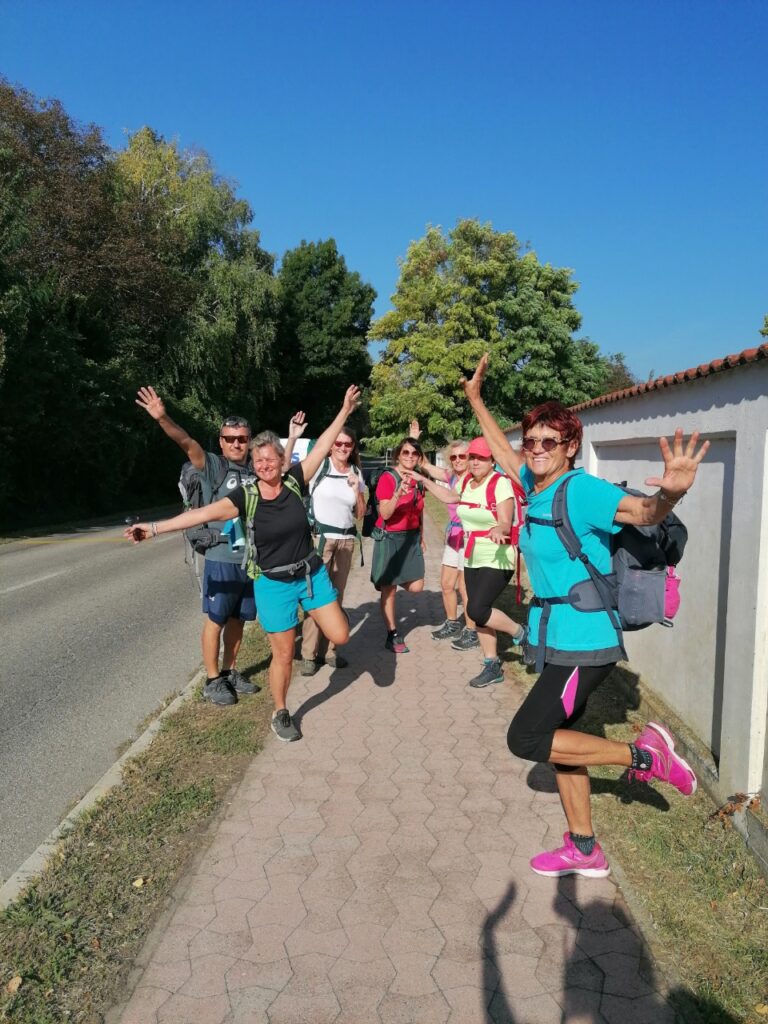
(203, 538)
(250, 553)
(521, 503)
(642, 587)
(320, 529)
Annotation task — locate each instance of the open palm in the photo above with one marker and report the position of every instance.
(680, 463)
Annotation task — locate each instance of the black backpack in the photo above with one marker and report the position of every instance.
(203, 538)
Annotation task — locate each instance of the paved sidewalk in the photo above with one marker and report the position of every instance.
(377, 871)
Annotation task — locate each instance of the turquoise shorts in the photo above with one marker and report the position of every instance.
(278, 600)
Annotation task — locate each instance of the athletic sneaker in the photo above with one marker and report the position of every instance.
(666, 764)
(336, 661)
(218, 691)
(569, 860)
(240, 684)
(310, 666)
(449, 630)
(467, 640)
(396, 644)
(492, 673)
(283, 727)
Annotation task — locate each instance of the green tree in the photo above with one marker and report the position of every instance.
(618, 375)
(764, 328)
(326, 313)
(459, 294)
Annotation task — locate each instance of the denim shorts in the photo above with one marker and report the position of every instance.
(279, 600)
(227, 593)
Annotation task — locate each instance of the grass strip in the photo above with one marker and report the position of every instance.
(68, 943)
(688, 867)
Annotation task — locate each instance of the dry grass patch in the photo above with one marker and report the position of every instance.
(68, 943)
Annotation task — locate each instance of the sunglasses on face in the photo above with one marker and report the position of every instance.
(343, 444)
(457, 458)
(548, 444)
(407, 453)
(234, 438)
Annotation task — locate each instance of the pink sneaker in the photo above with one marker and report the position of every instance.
(666, 765)
(569, 860)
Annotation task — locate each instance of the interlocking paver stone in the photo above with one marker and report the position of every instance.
(377, 871)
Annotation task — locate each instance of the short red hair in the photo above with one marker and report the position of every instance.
(559, 418)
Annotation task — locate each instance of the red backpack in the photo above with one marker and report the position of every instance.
(521, 503)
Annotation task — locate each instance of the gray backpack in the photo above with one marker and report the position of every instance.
(635, 594)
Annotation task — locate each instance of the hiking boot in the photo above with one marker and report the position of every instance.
(569, 860)
(218, 691)
(336, 661)
(309, 666)
(666, 764)
(240, 684)
(449, 630)
(396, 644)
(467, 640)
(283, 727)
(492, 673)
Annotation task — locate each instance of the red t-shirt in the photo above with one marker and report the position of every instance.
(407, 514)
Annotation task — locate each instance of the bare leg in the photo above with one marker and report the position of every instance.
(581, 749)
(574, 789)
(448, 578)
(332, 622)
(387, 603)
(503, 623)
(211, 642)
(281, 665)
(233, 638)
(487, 638)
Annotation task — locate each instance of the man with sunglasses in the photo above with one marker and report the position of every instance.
(228, 601)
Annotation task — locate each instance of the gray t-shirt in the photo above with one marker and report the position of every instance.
(235, 476)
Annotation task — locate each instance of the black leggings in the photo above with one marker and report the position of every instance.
(557, 701)
(483, 587)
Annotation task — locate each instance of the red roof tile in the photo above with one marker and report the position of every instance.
(750, 355)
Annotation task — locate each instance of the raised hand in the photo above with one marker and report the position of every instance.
(151, 402)
(474, 386)
(414, 430)
(297, 425)
(351, 399)
(680, 464)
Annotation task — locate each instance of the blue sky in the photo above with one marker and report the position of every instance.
(627, 140)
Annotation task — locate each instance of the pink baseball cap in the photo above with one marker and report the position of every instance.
(479, 447)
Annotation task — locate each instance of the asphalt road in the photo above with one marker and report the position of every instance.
(96, 632)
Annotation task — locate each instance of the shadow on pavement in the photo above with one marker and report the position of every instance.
(498, 1010)
(541, 779)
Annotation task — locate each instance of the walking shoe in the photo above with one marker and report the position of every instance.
(218, 691)
(396, 644)
(492, 673)
(240, 684)
(666, 764)
(521, 638)
(569, 860)
(336, 661)
(309, 666)
(283, 727)
(450, 629)
(467, 640)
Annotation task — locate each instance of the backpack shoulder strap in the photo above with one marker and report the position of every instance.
(325, 469)
(293, 485)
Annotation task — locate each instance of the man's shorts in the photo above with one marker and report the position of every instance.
(279, 600)
(227, 593)
(452, 558)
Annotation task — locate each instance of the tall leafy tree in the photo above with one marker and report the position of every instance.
(326, 313)
(461, 293)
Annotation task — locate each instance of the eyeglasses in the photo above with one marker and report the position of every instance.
(234, 438)
(457, 458)
(343, 444)
(548, 444)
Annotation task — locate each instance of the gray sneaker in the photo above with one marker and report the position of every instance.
(467, 641)
(218, 691)
(283, 727)
(309, 666)
(449, 630)
(492, 673)
(240, 684)
(336, 661)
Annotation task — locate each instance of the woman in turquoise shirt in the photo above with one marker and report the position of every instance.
(576, 651)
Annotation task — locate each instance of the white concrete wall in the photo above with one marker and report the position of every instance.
(712, 667)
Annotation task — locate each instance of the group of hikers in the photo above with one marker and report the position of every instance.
(270, 558)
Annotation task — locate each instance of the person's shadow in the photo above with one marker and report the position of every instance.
(497, 1010)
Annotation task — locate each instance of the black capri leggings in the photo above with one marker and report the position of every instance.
(557, 701)
(483, 587)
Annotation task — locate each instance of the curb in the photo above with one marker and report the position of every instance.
(36, 862)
